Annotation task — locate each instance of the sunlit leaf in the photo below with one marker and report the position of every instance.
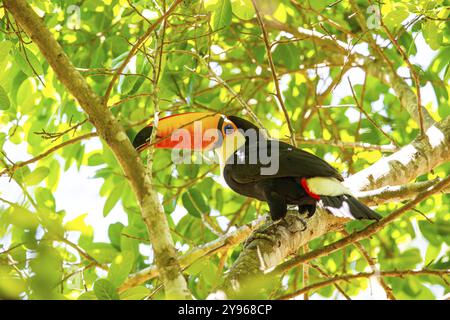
(36, 176)
(104, 290)
(221, 16)
(4, 99)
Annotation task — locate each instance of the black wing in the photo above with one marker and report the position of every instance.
(248, 165)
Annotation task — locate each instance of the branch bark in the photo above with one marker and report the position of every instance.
(112, 132)
(272, 243)
(419, 157)
(396, 193)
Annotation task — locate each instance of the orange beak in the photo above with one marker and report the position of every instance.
(192, 131)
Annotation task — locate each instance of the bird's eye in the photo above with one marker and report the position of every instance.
(228, 129)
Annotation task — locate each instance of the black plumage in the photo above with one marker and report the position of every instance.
(284, 188)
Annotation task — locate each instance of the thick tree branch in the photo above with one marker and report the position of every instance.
(114, 135)
(272, 243)
(228, 241)
(411, 161)
(396, 193)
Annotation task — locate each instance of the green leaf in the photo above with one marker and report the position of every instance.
(104, 290)
(95, 159)
(135, 293)
(211, 5)
(78, 224)
(4, 99)
(53, 177)
(88, 295)
(4, 49)
(121, 268)
(194, 202)
(432, 34)
(114, 234)
(431, 254)
(51, 220)
(28, 63)
(26, 96)
(243, 9)
(112, 200)
(45, 198)
(23, 218)
(221, 16)
(102, 252)
(287, 54)
(396, 16)
(36, 176)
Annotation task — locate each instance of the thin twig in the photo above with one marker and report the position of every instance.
(414, 74)
(278, 94)
(326, 275)
(373, 266)
(360, 107)
(16, 166)
(135, 48)
(347, 277)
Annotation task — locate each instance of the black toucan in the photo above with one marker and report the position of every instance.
(258, 167)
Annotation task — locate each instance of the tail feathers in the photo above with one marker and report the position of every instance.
(348, 206)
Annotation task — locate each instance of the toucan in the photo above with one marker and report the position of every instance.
(259, 167)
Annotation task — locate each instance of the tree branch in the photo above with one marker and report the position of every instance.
(347, 277)
(396, 193)
(228, 241)
(136, 47)
(114, 135)
(46, 153)
(278, 94)
(223, 243)
(408, 99)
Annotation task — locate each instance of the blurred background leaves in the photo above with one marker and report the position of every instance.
(46, 254)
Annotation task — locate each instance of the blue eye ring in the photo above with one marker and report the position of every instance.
(228, 128)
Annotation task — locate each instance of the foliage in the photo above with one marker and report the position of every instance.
(43, 255)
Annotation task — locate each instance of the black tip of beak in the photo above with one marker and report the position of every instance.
(142, 138)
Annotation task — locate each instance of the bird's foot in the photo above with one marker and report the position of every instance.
(309, 209)
(290, 226)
